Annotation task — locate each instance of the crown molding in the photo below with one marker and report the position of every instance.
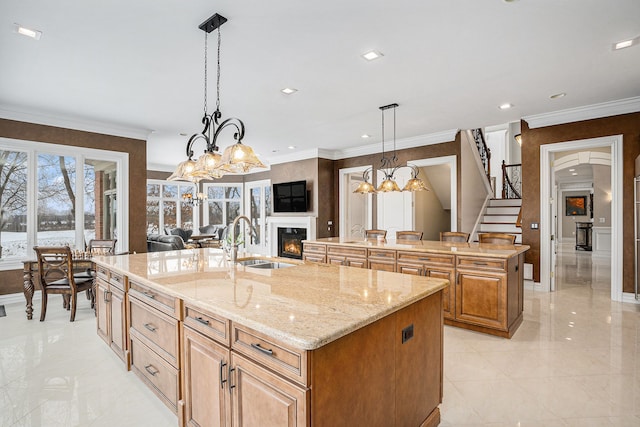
(412, 142)
(13, 113)
(588, 112)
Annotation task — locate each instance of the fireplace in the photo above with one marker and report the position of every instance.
(290, 241)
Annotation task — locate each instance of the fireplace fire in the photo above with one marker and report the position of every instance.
(290, 242)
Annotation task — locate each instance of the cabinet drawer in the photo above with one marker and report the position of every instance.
(211, 325)
(102, 273)
(163, 302)
(426, 258)
(285, 360)
(160, 376)
(382, 254)
(314, 257)
(315, 248)
(155, 329)
(480, 263)
(347, 251)
(118, 280)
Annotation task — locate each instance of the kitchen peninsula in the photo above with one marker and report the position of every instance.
(309, 344)
(487, 283)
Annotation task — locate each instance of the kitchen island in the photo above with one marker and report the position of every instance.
(487, 283)
(308, 344)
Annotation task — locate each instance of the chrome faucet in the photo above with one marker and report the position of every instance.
(234, 244)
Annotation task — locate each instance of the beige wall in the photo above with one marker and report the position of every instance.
(430, 217)
(601, 195)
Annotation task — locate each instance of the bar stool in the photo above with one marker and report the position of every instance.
(454, 236)
(408, 235)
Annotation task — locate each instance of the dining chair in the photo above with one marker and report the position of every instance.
(408, 235)
(373, 234)
(497, 238)
(454, 236)
(55, 269)
(102, 246)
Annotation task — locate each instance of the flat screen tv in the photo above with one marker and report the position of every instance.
(290, 196)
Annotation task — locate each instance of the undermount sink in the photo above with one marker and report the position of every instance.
(261, 263)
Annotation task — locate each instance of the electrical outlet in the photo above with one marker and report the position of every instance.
(601, 220)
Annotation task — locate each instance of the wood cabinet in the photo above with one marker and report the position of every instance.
(381, 259)
(347, 255)
(314, 252)
(154, 317)
(110, 299)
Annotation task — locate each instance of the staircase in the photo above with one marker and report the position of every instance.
(501, 216)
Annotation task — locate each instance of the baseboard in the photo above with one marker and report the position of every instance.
(536, 286)
(17, 298)
(630, 298)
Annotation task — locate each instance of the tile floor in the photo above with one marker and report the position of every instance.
(574, 362)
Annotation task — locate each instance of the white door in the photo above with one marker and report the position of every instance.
(355, 209)
(395, 209)
(258, 207)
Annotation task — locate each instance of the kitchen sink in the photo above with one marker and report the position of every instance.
(261, 263)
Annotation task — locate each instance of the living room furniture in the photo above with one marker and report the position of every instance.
(583, 236)
(161, 242)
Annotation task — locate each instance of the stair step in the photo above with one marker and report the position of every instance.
(511, 219)
(505, 202)
(503, 210)
(499, 228)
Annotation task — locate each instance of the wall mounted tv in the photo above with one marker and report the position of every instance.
(290, 196)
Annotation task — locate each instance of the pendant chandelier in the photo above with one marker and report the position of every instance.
(194, 199)
(389, 166)
(237, 158)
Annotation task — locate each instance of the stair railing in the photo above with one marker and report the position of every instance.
(511, 181)
(483, 150)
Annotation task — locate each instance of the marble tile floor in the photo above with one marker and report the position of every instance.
(574, 362)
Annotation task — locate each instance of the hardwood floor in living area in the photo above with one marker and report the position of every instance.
(575, 361)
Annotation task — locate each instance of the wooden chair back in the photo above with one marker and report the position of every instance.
(102, 246)
(497, 238)
(409, 235)
(373, 234)
(454, 236)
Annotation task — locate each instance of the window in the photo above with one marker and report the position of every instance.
(59, 195)
(166, 208)
(258, 202)
(224, 203)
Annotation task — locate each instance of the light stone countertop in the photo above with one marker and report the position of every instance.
(306, 306)
(474, 249)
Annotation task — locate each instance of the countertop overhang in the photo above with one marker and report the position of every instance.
(458, 248)
(306, 306)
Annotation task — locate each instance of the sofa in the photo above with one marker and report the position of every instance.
(163, 242)
(213, 229)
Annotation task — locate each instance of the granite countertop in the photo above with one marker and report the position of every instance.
(475, 249)
(305, 306)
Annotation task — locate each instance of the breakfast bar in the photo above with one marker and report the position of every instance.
(267, 341)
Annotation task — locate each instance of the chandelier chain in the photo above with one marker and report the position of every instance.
(218, 74)
(205, 73)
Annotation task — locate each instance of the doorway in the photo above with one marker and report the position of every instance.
(356, 210)
(548, 212)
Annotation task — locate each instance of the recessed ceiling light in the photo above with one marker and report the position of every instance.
(291, 147)
(558, 95)
(572, 170)
(288, 90)
(625, 43)
(34, 34)
(371, 55)
(365, 136)
(574, 173)
(505, 106)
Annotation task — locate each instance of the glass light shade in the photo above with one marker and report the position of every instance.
(184, 171)
(206, 166)
(239, 158)
(415, 184)
(388, 185)
(365, 188)
(518, 138)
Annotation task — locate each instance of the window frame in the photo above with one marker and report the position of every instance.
(177, 199)
(80, 154)
(205, 190)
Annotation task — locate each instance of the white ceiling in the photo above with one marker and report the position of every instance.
(138, 65)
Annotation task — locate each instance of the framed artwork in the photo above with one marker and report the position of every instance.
(576, 205)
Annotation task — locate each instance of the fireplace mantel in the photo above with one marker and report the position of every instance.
(273, 222)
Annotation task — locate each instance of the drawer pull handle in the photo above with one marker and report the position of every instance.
(424, 259)
(106, 295)
(151, 371)
(201, 320)
(480, 263)
(266, 351)
(148, 295)
(231, 384)
(222, 380)
(150, 327)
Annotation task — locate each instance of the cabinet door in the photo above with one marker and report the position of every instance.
(481, 298)
(382, 265)
(416, 270)
(118, 324)
(205, 389)
(340, 260)
(448, 293)
(314, 257)
(261, 398)
(356, 262)
(102, 310)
